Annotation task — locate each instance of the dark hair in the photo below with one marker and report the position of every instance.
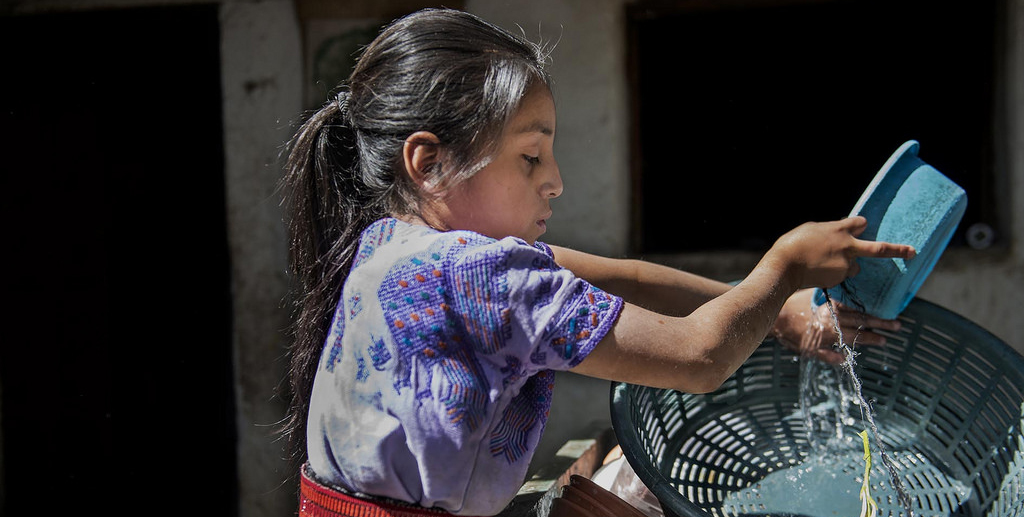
(437, 70)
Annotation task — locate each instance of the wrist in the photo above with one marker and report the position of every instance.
(782, 327)
(788, 271)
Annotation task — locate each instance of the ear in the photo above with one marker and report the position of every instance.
(421, 153)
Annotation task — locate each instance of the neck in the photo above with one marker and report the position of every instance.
(426, 219)
(431, 211)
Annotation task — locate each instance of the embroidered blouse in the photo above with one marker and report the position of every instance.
(435, 381)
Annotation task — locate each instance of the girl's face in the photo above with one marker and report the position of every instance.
(511, 196)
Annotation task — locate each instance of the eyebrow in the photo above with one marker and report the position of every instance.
(536, 127)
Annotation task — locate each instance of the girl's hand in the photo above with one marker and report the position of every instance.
(824, 254)
(811, 332)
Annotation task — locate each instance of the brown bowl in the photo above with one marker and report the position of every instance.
(589, 504)
(613, 503)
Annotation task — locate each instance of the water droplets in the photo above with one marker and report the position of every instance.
(849, 395)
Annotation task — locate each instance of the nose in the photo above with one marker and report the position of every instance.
(552, 187)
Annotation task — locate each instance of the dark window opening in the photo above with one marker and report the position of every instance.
(752, 118)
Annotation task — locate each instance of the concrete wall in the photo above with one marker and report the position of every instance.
(262, 86)
(263, 94)
(588, 69)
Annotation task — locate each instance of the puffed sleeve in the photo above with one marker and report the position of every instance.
(525, 312)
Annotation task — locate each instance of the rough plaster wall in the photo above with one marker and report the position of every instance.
(990, 296)
(262, 93)
(591, 141)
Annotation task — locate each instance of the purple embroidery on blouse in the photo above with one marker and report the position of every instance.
(373, 400)
(414, 298)
(373, 237)
(510, 437)
(538, 356)
(480, 297)
(465, 392)
(587, 316)
(334, 355)
(361, 372)
(379, 354)
(334, 338)
(512, 371)
(355, 305)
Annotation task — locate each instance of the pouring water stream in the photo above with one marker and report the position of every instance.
(867, 413)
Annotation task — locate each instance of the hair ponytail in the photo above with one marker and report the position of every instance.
(328, 206)
(438, 70)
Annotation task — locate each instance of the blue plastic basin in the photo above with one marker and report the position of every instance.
(908, 202)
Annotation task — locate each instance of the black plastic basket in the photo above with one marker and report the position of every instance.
(953, 391)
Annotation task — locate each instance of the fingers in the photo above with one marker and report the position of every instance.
(853, 269)
(876, 249)
(857, 327)
(854, 225)
(834, 355)
(857, 224)
(851, 317)
(854, 336)
(828, 356)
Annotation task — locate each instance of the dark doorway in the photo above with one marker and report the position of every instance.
(116, 332)
(752, 117)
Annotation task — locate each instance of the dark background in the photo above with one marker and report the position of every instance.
(751, 121)
(116, 351)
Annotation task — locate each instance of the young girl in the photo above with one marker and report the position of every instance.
(430, 316)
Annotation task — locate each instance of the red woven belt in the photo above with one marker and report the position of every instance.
(318, 500)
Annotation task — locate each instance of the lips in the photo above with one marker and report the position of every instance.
(542, 222)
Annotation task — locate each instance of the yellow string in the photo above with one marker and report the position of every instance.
(868, 506)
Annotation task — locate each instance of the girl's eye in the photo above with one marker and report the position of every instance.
(532, 160)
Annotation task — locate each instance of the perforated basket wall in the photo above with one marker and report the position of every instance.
(942, 388)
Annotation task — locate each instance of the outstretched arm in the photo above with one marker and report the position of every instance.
(696, 350)
(658, 288)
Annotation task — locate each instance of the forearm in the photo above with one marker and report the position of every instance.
(740, 319)
(672, 292)
(658, 288)
(696, 352)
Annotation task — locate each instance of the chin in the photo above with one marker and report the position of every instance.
(529, 238)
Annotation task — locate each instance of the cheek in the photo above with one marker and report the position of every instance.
(500, 192)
